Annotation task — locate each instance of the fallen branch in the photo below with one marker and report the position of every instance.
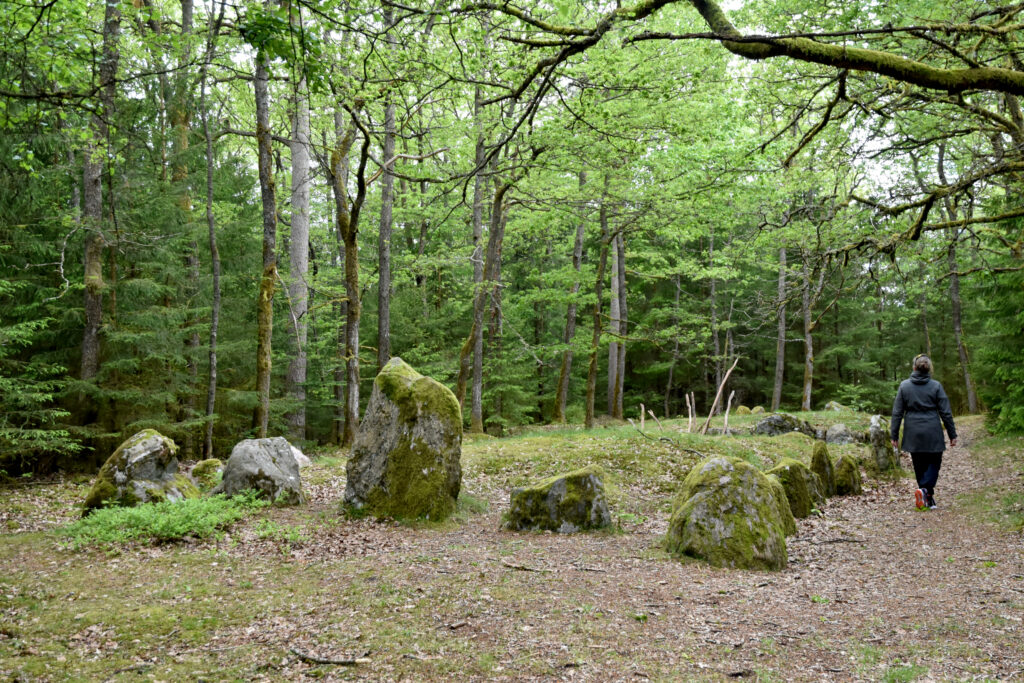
(718, 396)
(651, 412)
(523, 567)
(309, 657)
(673, 442)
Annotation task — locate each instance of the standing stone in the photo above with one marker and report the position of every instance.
(757, 410)
(565, 503)
(742, 410)
(885, 456)
(821, 464)
(848, 480)
(839, 433)
(727, 514)
(142, 469)
(803, 487)
(406, 458)
(267, 466)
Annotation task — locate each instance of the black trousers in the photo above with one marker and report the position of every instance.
(926, 469)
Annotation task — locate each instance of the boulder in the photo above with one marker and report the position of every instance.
(782, 423)
(742, 410)
(839, 433)
(142, 469)
(821, 464)
(301, 458)
(782, 501)
(803, 487)
(847, 477)
(565, 503)
(836, 406)
(884, 455)
(406, 458)
(727, 514)
(266, 466)
(206, 473)
(756, 410)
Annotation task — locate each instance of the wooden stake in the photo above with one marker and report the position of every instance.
(718, 396)
(728, 404)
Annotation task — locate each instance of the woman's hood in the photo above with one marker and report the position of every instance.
(918, 377)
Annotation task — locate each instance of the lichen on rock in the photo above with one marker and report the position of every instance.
(742, 410)
(821, 464)
(206, 473)
(757, 410)
(727, 514)
(885, 456)
(142, 469)
(266, 466)
(563, 503)
(406, 458)
(839, 433)
(848, 479)
(803, 487)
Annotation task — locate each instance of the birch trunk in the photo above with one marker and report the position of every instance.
(298, 287)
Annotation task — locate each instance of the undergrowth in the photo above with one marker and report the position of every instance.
(161, 522)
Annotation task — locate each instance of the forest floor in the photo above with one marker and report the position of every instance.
(875, 590)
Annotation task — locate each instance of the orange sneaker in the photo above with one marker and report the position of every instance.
(921, 499)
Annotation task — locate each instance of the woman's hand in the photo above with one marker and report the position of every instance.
(895, 446)
(952, 442)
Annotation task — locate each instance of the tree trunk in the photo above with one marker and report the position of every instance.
(620, 374)
(562, 393)
(958, 333)
(805, 403)
(675, 344)
(387, 200)
(776, 394)
(613, 329)
(595, 343)
(92, 191)
(265, 300)
(716, 346)
(298, 287)
(476, 419)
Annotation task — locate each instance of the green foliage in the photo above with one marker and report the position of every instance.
(161, 522)
(1002, 379)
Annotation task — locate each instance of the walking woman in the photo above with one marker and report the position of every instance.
(922, 406)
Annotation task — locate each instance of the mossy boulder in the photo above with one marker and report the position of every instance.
(742, 410)
(565, 503)
(835, 406)
(848, 480)
(884, 455)
(206, 473)
(782, 423)
(727, 514)
(803, 487)
(406, 458)
(757, 410)
(839, 433)
(266, 466)
(142, 469)
(821, 464)
(782, 501)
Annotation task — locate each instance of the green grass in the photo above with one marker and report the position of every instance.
(162, 522)
(1000, 504)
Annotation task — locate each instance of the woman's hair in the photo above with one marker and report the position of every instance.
(922, 363)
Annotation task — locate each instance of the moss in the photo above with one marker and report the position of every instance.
(782, 502)
(206, 473)
(727, 515)
(184, 486)
(848, 480)
(106, 490)
(821, 464)
(416, 486)
(757, 410)
(742, 410)
(102, 490)
(563, 503)
(802, 486)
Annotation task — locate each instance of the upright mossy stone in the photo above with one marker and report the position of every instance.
(782, 501)
(848, 479)
(142, 469)
(742, 410)
(757, 410)
(728, 515)
(821, 464)
(206, 473)
(266, 466)
(803, 487)
(406, 457)
(564, 503)
(885, 457)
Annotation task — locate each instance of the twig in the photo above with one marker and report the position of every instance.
(651, 413)
(728, 405)
(666, 439)
(308, 657)
(718, 396)
(523, 567)
(838, 540)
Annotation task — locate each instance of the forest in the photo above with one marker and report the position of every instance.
(220, 219)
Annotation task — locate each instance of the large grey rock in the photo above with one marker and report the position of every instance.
(143, 469)
(839, 433)
(884, 455)
(301, 458)
(565, 503)
(267, 466)
(406, 458)
(803, 487)
(728, 514)
(774, 424)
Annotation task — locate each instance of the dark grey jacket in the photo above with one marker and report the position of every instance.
(919, 405)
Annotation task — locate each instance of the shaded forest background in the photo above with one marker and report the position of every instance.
(218, 220)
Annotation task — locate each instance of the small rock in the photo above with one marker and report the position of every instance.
(564, 504)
